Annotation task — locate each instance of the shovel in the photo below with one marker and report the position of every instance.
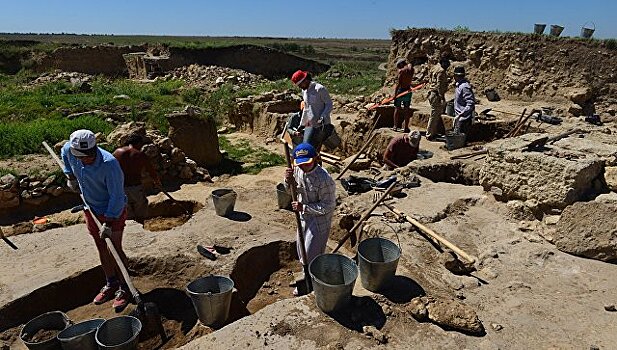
(147, 313)
(6, 240)
(190, 214)
(486, 111)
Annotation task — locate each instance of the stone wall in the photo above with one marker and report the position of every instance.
(553, 177)
(108, 60)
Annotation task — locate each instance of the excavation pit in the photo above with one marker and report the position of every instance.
(480, 131)
(167, 214)
(262, 275)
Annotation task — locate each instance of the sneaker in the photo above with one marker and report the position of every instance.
(121, 301)
(106, 294)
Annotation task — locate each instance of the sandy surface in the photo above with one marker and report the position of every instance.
(526, 293)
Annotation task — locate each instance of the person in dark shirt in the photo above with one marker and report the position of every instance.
(133, 162)
(402, 150)
(402, 104)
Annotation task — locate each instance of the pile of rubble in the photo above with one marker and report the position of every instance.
(211, 77)
(29, 190)
(81, 81)
(348, 104)
(170, 161)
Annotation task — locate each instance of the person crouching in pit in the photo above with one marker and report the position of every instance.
(316, 201)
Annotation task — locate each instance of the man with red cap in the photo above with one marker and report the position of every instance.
(316, 200)
(317, 109)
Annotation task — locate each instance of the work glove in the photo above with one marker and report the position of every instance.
(72, 184)
(105, 231)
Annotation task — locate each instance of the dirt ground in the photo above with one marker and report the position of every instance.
(525, 292)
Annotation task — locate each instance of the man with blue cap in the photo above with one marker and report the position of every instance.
(316, 200)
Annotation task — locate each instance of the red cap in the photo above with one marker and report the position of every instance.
(298, 77)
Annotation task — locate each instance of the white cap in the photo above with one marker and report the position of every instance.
(414, 137)
(83, 143)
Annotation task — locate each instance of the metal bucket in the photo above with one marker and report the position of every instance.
(80, 336)
(54, 320)
(283, 198)
(119, 333)
(334, 276)
(333, 140)
(556, 30)
(211, 297)
(450, 108)
(378, 259)
(454, 140)
(224, 200)
(586, 32)
(538, 28)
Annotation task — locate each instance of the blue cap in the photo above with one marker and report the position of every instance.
(304, 153)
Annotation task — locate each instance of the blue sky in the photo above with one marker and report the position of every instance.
(317, 18)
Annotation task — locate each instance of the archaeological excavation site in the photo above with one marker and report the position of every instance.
(501, 235)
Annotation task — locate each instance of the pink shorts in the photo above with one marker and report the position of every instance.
(116, 224)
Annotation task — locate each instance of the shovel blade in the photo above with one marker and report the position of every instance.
(152, 324)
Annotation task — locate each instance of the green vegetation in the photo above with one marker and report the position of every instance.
(256, 158)
(355, 78)
(23, 138)
(611, 44)
(32, 114)
(294, 47)
(5, 171)
(461, 29)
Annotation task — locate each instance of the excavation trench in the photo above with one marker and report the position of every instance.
(261, 275)
(167, 214)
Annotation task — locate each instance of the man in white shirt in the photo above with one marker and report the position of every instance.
(317, 109)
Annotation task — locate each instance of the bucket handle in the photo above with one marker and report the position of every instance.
(593, 24)
(397, 238)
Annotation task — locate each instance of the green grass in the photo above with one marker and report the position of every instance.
(18, 138)
(6, 171)
(356, 78)
(259, 158)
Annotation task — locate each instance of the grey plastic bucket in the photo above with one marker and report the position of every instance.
(454, 140)
(334, 277)
(556, 30)
(211, 297)
(377, 260)
(283, 198)
(54, 320)
(224, 200)
(538, 28)
(119, 333)
(80, 336)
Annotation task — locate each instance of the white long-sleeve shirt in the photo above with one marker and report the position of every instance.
(317, 105)
(317, 193)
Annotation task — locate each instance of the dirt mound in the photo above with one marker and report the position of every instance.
(209, 78)
(520, 66)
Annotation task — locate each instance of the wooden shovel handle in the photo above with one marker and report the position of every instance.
(433, 234)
